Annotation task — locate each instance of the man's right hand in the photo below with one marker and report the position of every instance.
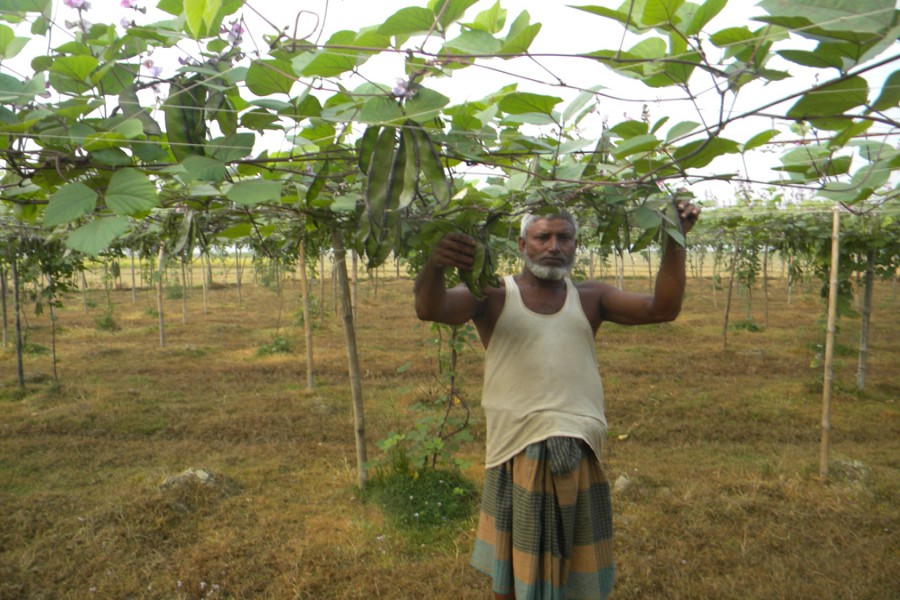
(454, 250)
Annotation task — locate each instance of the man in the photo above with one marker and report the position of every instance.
(545, 528)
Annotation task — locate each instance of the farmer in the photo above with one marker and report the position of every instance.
(545, 528)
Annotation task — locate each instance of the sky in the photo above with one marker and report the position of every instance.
(565, 30)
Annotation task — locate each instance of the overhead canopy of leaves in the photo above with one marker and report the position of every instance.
(96, 143)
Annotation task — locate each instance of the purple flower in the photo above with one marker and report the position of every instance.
(79, 4)
(235, 32)
(154, 70)
(403, 90)
(128, 4)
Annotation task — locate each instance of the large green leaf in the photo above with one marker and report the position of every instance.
(95, 236)
(700, 153)
(10, 44)
(526, 102)
(472, 42)
(617, 15)
(760, 139)
(640, 143)
(232, 147)
(380, 109)
(521, 34)
(657, 13)
(449, 11)
(201, 168)
(425, 105)
(331, 61)
(12, 90)
(824, 104)
(703, 15)
(72, 74)
(254, 191)
(490, 20)
(681, 129)
(890, 93)
(408, 21)
(130, 192)
(201, 16)
(808, 58)
(266, 77)
(839, 15)
(70, 202)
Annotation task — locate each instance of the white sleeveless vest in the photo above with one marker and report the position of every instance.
(541, 378)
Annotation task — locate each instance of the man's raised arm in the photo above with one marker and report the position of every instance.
(628, 308)
(434, 302)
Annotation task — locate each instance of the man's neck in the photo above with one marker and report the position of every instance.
(528, 278)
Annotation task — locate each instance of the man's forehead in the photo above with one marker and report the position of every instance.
(551, 223)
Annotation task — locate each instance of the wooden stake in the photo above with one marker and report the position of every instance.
(869, 282)
(307, 316)
(737, 249)
(829, 347)
(161, 271)
(340, 268)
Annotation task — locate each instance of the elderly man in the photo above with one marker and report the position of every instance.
(545, 528)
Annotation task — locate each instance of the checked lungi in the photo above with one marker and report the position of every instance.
(545, 528)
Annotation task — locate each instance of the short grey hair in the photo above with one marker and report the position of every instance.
(530, 218)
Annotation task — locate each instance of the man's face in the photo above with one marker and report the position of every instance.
(549, 248)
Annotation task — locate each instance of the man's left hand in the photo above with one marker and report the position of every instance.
(688, 212)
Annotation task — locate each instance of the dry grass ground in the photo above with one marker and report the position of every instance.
(721, 448)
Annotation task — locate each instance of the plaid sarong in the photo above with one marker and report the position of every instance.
(546, 534)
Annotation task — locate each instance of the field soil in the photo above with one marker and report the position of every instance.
(716, 450)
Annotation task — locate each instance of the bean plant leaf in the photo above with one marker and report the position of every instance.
(703, 15)
(408, 21)
(524, 102)
(130, 192)
(254, 191)
(201, 168)
(70, 202)
(449, 11)
(96, 235)
(72, 74)
(521, 34)
(267, 77)
(825, 105)
(890, 93)
(760, 139)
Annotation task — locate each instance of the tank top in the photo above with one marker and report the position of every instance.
(541, 378)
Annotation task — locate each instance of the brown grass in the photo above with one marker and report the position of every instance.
(721, 448)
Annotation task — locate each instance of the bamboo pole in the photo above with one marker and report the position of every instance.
(737, 249)
(354, 283)
(160, 274)
(184, 311)
(866, 317)
(239, 273)
(829, 347)
(133, 281)
(17, 311)
(207, 280)
(307, 316)
(340, 267)
(765, 285)
(3, 308)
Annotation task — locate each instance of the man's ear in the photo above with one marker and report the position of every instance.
(521, 245)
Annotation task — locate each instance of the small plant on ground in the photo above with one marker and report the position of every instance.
(279, 345)
(106, 322)
(174, 292)
(419, 498)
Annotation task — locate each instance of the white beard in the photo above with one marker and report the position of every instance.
(545, 272)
